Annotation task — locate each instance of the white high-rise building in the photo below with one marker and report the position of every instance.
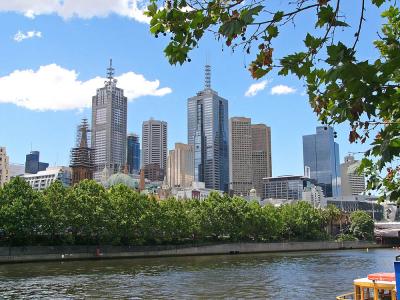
(109, 128)
(180, 166)
(352, 182)
(154, 144)
(4, 166)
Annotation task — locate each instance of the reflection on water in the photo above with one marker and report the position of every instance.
(301, 275)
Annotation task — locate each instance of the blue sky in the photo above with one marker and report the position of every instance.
(72, 48)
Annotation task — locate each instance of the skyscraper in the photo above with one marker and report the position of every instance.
(154, 146)
(208, 134)
(352, 182)
(249, 156)
(240, 156)
(32, 163)
(261, 156)
(180, 164)
(4, 167)
(321, 155)
(82, 155)
(133, 153)
(109, 127)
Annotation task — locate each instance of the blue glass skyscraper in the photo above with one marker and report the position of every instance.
(208, 134)
(32, 163)
(133, 153)
(321, 156)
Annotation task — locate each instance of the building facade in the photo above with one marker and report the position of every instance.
(43, 179)
(16, 170)
(4, 166)
(133, 153)
(314, 195)
(180, 166)
(261, 156)
(196, 191)
(321, 155)
(208, 135)
(240, 156)
(154, 145)
(286, 187)
(352, 182)
(82, 155)
(32, 163)
(109, 128)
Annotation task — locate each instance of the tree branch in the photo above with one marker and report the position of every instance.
(359, 24)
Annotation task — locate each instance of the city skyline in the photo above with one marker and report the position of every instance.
(163, 88)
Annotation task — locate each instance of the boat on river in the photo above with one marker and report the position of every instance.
(377, 286)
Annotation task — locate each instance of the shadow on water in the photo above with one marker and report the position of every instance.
(297, 275)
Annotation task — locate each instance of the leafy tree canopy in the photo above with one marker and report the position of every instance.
(362, 225)
(342, 87)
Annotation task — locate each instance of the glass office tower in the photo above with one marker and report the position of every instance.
(133, 153)
(208, 134)
(321, 157)
(32, 163)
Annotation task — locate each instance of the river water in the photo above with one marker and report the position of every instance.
(299, 275)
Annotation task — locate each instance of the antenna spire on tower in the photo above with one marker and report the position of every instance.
(110, 71)
(207, 79)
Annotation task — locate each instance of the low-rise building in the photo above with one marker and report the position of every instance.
(287, 187)
(348, 204)
(43, 179)
(196, 191)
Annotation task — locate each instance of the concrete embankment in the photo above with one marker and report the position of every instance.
(60, 253)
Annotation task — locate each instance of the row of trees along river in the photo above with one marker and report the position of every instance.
(87, 214)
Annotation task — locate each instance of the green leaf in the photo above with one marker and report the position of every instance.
(272, 31)
(231, 28)
(312, 42)
(278, 16)
(378, 2)
(247, 15)
(325, 15)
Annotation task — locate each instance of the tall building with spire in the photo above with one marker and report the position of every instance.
(208, 135)
(109, 128)
(82, 155)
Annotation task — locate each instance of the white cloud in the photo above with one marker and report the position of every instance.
(255, 88)
(282, 90)
(52, 87)
(20, 36)
(78, 8)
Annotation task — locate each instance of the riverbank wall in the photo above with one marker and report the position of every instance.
(63, 253)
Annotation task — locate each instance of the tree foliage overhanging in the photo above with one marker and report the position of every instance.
(89, 214)
(342, 85)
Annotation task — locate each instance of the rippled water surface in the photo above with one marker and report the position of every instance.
(301, 275)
